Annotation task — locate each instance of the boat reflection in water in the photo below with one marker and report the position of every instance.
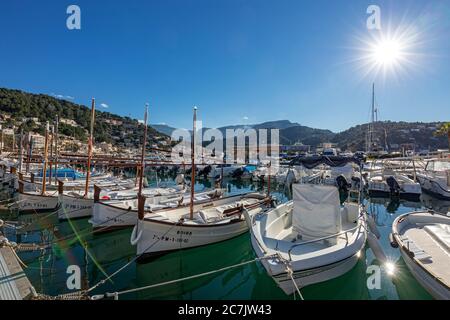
(194, 261)
(438, 205)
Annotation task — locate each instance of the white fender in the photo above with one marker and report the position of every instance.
(376, 248)
(134, 239)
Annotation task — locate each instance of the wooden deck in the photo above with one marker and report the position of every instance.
(14, 284)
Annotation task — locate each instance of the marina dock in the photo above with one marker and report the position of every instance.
(14, 284)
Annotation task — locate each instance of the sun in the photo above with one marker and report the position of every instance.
(387, 52)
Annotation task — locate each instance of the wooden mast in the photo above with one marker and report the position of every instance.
(56, 148)
(191, 206)
(51, 155)
(44, 170)
(20, 151)
(90, 142)
(142, 167)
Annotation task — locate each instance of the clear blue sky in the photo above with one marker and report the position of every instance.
(261, 59)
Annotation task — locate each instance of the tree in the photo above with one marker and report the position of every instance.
(443, 130)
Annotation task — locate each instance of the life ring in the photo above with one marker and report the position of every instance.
(134, 239)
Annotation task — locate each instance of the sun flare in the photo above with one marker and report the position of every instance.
(387, 52)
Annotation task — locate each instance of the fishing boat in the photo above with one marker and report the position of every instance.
(75, 204)
(163, 231)
(424, 242)
(116, 211)
(435, 179)
(310, 239)
(37, 201)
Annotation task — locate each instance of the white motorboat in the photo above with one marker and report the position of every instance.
(435, 179)
(167, 230)
(389, 182)
(310, 239)
(424, 242)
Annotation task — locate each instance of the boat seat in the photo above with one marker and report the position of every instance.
(440, 233)
(210, 215)
(419, 253)
(201, 197)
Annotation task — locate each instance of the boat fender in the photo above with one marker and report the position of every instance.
(134, 239)
(1, 223)
(373, 226)
(392, 241)
(376, 248)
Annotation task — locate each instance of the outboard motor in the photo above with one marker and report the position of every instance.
(342, 183)
(356, 182)
(205, 171)
(238, 173)
(173, 170)
(394, 187)
(218, 181)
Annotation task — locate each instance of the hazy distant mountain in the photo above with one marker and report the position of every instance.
(394, 134)
(305, 135)
(163, 128)
(278, 124)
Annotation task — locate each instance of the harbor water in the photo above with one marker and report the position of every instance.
(97, 256)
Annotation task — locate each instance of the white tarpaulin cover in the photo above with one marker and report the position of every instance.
(346, 171)
(316, 212)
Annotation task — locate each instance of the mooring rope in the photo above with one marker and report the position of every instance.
(115, 294)
(290, 273)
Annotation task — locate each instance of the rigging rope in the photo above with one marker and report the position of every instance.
(131, 261)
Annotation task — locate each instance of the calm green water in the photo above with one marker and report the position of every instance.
(101, 255)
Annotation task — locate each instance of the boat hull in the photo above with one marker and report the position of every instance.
(158, 237)
(433, 287)
(434, 188)
(108, 218)
(74, 208)
(308, 277)
(31, 203)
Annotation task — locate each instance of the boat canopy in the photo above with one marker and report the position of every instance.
(316, 211)
(332, 161)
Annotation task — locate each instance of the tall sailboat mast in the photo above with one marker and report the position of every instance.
(44, 169)
(372, 121)
(191, 207)
(90, 142)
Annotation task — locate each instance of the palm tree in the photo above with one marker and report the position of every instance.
(444, 129)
